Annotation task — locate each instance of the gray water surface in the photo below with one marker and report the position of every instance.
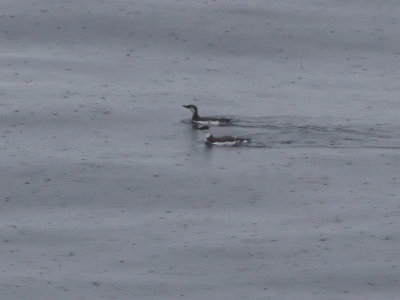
(107, 192)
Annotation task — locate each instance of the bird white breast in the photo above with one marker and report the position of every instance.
(207, 122)
(225, 143)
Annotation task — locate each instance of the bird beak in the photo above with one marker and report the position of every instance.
(185, 106)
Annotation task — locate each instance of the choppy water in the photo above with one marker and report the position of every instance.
(301, 132)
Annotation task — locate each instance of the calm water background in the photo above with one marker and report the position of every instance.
(107, 192)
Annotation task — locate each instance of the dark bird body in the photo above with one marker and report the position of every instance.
(224, 140)
(205, 120)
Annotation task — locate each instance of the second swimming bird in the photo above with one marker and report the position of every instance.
(224, 140)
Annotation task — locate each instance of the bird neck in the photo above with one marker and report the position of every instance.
(194, 111)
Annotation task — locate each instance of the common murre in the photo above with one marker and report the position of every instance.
(224, 140)
(204, 120)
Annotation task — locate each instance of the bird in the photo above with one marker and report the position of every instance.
(224, 140)
(204, 120)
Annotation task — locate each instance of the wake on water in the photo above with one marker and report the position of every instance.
(302, 132)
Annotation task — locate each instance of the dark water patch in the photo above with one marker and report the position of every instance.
(288, 122)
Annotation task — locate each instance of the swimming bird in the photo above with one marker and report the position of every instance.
(205, 120)
(222, 141)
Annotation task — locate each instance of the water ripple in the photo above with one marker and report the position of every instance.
(302, 132)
